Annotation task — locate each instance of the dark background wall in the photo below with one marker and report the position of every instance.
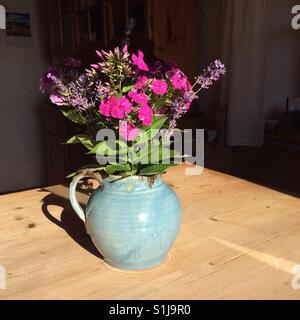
(21, 147)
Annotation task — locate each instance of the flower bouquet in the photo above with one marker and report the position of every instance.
(124, 94)
(122, 105)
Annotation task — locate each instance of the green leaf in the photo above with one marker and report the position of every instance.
(113, 168)
(100, 147)
(155, 169)
(157, 154)
(103, 147)
(158, 122)
(169, 101)
(74, 116)
(131, 173)
(126, 89)
(83, 139)
(160, 103)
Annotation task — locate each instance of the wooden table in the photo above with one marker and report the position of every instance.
(238, 240)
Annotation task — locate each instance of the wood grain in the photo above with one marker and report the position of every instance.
(173, 37)
(238, 240)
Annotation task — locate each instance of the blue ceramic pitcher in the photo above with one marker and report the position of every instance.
(133, 224)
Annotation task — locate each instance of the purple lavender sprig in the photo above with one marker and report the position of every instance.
(210, 75)
(180, 107)
(179, 111)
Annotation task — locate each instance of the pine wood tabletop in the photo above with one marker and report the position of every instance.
(238, 240)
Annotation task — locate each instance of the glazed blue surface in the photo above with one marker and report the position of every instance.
(133, 225)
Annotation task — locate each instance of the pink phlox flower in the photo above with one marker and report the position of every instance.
(139, 98)
(125, 104)
(145, 114)
(139, 61)
(105, 109)
(159, 87)
(141, 82)
(116, 107)
(119, 107)
(179, 81)
(128, 131)
(117, 112)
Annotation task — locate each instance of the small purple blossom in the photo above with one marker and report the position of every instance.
(57, 99)
(81, 103)
(102, 91)
(48, 78)
(180, 107)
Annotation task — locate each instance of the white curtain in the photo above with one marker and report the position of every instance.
(244, 48)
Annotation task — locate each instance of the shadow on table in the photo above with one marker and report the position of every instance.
(69, 221)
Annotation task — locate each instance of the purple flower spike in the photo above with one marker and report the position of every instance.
(211, 74)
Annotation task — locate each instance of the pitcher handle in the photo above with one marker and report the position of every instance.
(72, 191)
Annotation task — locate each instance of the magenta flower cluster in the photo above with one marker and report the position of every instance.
(124, 92)
(118, 108)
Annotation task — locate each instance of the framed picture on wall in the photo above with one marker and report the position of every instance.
(18, 28)
(18, 24)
